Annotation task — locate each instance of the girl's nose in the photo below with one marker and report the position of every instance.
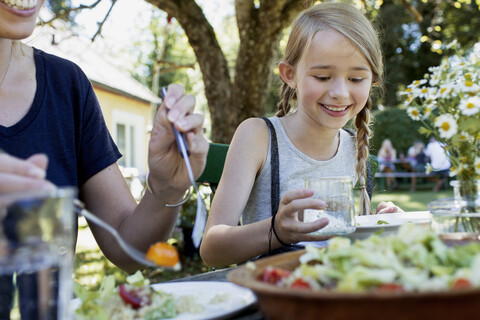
(338, 89)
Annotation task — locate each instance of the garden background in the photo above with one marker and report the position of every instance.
(225, 53)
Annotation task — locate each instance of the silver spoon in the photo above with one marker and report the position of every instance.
(134, 253)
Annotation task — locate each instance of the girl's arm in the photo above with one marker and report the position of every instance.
(225, 242)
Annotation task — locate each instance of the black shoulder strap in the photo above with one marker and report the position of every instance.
(369, 172)
(275, 168)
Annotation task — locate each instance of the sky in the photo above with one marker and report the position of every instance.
(128, 17)
(127, 14)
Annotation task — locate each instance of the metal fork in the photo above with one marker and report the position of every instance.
(201, 215)
(134, 253)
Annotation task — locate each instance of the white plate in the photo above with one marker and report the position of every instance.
(368, 225)
(236, 298)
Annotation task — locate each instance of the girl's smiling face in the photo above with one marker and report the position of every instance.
(332, 80)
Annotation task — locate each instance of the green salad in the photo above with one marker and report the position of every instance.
(411, 260)
(133, 300)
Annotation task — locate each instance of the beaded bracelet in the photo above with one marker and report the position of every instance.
(185, 198)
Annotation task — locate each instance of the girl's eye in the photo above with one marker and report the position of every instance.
(356, 80)
(321, 78)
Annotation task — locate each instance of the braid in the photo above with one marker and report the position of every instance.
(362, 122)
(286, 95)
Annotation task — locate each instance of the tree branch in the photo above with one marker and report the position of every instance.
(100, 24)
(413, 11)
(64, 14)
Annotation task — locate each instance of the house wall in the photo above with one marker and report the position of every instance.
(132, 113)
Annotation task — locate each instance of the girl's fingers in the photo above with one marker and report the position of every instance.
(308, 227)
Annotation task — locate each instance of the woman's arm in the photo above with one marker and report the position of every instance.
(106, 194)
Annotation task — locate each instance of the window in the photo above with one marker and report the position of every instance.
(129, 135)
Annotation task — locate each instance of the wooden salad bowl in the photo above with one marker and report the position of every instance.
(291, 304)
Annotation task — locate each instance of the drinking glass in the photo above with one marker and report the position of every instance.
(337, 193)
(36, 254)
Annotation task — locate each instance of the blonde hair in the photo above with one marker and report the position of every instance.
(354, 26)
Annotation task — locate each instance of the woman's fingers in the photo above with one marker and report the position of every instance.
(13, 182)
(27, 168)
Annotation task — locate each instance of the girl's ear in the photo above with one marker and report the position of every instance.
(288, 74)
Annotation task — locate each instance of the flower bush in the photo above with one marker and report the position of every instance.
(447, 102)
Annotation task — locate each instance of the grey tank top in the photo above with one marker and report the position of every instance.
(294, 167)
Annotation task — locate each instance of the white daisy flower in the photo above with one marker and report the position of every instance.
(428, 110)
(470, 106)
(446, 90)
(447, 125)
(465, 136)
(417, 83)
(413, 113)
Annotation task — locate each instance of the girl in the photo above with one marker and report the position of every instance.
(332, 61)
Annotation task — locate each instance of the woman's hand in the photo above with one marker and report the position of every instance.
(168, 171)
(387, 207)
(21, 175)
(287, 224)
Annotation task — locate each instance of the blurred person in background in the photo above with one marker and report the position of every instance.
(439, 163)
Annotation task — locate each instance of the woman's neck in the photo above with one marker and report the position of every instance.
(6, 52)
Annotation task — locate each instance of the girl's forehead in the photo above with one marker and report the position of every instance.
(330, 48)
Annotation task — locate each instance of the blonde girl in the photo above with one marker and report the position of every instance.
(332, 61)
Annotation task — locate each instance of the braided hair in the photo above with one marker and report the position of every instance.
(354, 26)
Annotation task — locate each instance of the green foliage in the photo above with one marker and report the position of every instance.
(410, 46)
(394, 124)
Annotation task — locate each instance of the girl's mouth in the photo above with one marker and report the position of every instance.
(20, 4)
(335, 108)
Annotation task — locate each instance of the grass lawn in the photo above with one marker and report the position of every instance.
(91, 266)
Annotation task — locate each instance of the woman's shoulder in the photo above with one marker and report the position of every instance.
(58, 65)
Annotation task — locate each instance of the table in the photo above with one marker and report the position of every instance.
(250, 313)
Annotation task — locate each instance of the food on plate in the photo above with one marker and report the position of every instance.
(411, 260)
(382, 222)
(135, 299)
(163, 254)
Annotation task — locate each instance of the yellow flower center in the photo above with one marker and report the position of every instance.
(442, 90)
(445, 126)
(408, 90)
(470, 105)
(424, 90)
(469, 83)
(415, 113)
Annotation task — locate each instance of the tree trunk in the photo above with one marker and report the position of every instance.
(230, 101)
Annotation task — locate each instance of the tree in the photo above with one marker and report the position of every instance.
(412, 31)
(233, 98)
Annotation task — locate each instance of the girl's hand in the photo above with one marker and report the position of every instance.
(167, 167)
(387, 207)
(21, 175)
(287, 224)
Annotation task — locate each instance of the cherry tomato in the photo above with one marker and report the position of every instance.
(163, 254)
(462, 283)
(390, 287)
(300, 284)
(134, 297)
(274, 275)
